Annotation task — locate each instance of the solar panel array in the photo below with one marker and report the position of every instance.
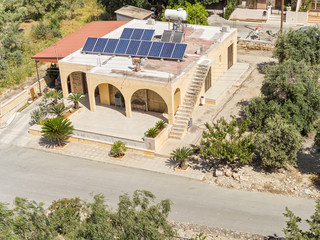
(139, 48)
(137, 34)
(136, 42)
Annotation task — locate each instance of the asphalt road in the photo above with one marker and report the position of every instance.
(42, 176)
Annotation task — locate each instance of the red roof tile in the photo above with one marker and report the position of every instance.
(76, 40)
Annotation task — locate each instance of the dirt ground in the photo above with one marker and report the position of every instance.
(300, 181)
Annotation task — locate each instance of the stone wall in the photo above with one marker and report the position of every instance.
(255, 45)
(77, 82)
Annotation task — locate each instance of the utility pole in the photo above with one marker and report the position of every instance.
(282, 4)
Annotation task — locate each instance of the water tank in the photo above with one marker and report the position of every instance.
(175, 14)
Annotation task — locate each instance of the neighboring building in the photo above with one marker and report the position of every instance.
(128, 13)
(167, 86)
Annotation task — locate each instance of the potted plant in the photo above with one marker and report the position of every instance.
(118, 149)
(160, 125)
(181, 155)
(152, 132)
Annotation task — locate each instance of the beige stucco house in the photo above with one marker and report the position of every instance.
(168, 86)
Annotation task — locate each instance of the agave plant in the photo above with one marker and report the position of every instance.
(161, 125)
(76, 98)
(53, 94)
(152, 132)
(37, 115)
(57, 130)
(181, 155)
(118, 148)
(58, 109)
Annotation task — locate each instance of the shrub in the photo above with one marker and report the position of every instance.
(228, 141)
(317, 140)
(182, 154)
(160, 125)
(152, 132)
(58, 109)
(57, 130)
(118, 149)
(65, 214)
(76, 98)
(37, 116)
(278, 143)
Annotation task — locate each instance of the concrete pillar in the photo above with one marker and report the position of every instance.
(92, 100)
(170, 105)
(104, 93)
(127, 101)
(64, 85)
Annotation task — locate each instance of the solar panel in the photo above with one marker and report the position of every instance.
(111, 46)
(179, 51)
(100, 45)
(167, 50)
(89, 45)
(144, 48)
(122, 46)
(126, 34)
(155, 49)
(177, 37)
(148, 34)
(166, 36)
(137, 34)
(133, 47)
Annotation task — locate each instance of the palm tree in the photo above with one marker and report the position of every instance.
(76, 98)
(118, 148)
(57, 130)
(58, 109)
(182, 154)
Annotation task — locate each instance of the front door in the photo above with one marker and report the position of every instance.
(230, 56)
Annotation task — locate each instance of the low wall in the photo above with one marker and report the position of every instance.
(156, 143)
(249, 15)
(9, 107)
(296, 17)
(255, 45)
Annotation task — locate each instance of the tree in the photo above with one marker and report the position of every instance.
(292, 230)
(57, 130)
(290, 89)
(228, 141)
(182, 154)
(197, 13)
(278, 143)
(299, 46)
(76, 98)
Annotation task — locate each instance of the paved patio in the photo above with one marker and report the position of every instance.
(101, 154)
(111, 120)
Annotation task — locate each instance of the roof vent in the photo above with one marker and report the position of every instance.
(151, 21)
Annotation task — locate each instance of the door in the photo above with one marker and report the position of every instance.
(230, 56)
(207, 82)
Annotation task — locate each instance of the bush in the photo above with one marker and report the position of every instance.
(152, 132)
(291, 45)
(278, 143)
(37, 116)
(118, 149)
(58, 109)
(293, 231)
(160, 125)
(65, 214)
(231, 6)
(43, 31)
(228, 141)
(317, 140)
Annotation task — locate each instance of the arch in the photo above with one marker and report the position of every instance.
(109, 94)
(77, 82)
(148, 100)
(177, 99)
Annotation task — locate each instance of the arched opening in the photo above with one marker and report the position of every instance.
(108, 94)
(149, 101)
(77, 82)
(177, 99)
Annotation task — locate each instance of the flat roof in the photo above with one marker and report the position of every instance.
(196, 36)
(134, 12)
(76, 40)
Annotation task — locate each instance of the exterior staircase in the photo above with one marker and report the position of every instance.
(185, 110)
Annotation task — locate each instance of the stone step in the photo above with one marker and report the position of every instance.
(182, 118)
(177, 131)
(181, 121)
(175, 136)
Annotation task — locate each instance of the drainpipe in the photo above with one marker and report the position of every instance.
(40, 93)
